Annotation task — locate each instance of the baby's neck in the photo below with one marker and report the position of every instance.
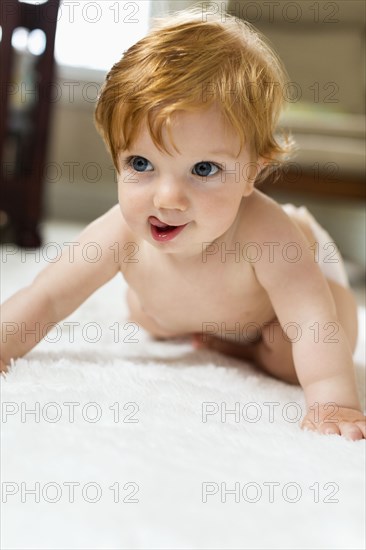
(178, 259)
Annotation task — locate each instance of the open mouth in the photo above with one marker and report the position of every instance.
(164, 232)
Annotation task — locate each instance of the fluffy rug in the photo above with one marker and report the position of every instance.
(111, 440)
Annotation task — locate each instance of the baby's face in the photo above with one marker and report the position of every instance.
(200, 188)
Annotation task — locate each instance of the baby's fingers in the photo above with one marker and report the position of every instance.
(352, 431)
(359, 428)
(329, 428)
(3, 367)
(362, 425)
(349, 430)
(308, 425)
(323, 428)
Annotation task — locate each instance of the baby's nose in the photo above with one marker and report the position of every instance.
(170, 195)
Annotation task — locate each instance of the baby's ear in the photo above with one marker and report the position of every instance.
(254, 171)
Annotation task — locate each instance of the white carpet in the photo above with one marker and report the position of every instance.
(169, 454)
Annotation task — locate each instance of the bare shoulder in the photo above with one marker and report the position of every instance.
(284, 261)
(110, 224)
(264, 219)
(282, 252)
(111, 235)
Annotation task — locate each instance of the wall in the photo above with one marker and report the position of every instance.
(80, 178)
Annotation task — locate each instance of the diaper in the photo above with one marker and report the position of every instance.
(326, 253)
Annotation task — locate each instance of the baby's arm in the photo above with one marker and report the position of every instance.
(61, 287)
(301, 298)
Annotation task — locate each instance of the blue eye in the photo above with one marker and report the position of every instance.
(203, 169)
(139, 164)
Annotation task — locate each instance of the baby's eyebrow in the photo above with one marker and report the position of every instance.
(221, 152)
(204, 155)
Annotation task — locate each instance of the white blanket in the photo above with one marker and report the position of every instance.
(132, 445)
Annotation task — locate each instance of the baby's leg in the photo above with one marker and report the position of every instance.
(273, 352)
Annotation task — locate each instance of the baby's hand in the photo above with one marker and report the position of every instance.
(328, 418)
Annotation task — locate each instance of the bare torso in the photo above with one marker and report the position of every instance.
(220, 294)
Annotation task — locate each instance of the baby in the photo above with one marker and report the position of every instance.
(189, 115)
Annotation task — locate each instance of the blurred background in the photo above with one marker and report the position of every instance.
(56, 174)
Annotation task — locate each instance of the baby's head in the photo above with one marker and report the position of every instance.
(188, 64)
